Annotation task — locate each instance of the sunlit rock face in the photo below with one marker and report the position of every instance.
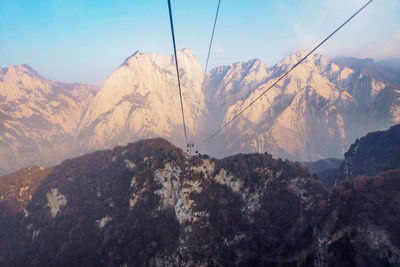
(315, 112)
(39, 118)
(140, 99)
(149, 204)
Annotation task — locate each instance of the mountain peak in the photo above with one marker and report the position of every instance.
(137, 52)
(293, 58)
(27, 67)
(313, 59)
(156, 58)
(301, 53)
(18, 70)
(134, 55)
(187, 51)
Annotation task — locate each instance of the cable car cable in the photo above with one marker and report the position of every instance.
(206, 66)
(177, 69)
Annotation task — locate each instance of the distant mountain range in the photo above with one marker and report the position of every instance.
(316, 112)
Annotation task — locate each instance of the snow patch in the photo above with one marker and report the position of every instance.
(224, 178)
(26, 212)
(169, 178)
(129, 164)
(236, 239)
(55, 200)
(135, 198)
(252, 199)
(183, 207)
(133, 182)
(296, 186)
(133, 201)
(22, 190)
(103, 221)
(136, 195)
(207, 167)
(35, 234)
(176, 192)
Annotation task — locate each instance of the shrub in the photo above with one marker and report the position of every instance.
(360, 182)
(378, 181)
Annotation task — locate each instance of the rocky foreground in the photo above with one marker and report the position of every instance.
(149, 204)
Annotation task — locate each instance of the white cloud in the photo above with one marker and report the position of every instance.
(384, 49)
(373, 33)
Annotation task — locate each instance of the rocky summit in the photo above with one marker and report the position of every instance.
(150, 204)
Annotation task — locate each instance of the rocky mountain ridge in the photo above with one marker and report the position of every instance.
(138, 100)
(39, 118)
(149, 204)
(316, 112)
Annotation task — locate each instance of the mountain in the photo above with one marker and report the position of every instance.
(140, 100)
(149, 204)
(16, 191)
(226, 85)
(39, 118)
(388, 70)
(315, 112)
(371, 154)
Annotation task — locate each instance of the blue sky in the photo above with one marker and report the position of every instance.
(85, 40)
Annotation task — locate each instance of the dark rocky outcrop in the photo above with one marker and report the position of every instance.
(149, 204)
(371, 154)
(16, 191)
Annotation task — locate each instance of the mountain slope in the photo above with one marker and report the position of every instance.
(16, 191)
(315, 112)
(371, 154)
(140, 99)
(38, 118)
(368, 156)
(148, 204)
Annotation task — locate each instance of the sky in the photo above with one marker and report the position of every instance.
(85, 40)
